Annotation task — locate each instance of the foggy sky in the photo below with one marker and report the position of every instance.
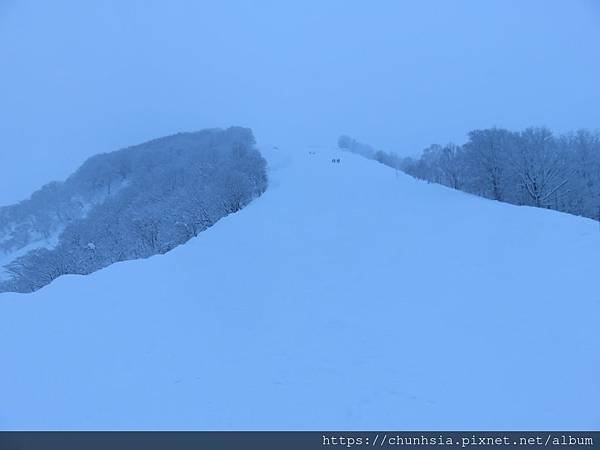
(78, 78)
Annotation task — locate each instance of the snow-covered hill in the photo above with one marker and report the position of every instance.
(128, 204)
(347, 297)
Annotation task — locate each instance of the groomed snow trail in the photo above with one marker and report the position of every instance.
(346, 297)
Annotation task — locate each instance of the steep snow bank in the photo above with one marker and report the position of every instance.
(346, 297)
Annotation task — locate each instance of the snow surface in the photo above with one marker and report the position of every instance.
(347, 297)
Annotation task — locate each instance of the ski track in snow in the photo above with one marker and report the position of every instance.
(347, 297)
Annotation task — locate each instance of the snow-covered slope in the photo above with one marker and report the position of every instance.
(346, 297)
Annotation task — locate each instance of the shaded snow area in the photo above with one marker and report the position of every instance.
(348, 296)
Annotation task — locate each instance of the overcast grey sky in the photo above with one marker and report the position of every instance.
(78, 78)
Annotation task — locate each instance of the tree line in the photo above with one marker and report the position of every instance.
(532, 167)
(133, 203)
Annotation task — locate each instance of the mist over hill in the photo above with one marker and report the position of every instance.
(128, 204)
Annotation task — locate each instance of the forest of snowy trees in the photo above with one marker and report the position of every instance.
(532, 167)
(128, 204)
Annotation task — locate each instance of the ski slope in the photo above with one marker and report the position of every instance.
(347, 297)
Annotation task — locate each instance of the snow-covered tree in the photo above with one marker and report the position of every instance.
(540, 167)
(532, 167)
(133, 203)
